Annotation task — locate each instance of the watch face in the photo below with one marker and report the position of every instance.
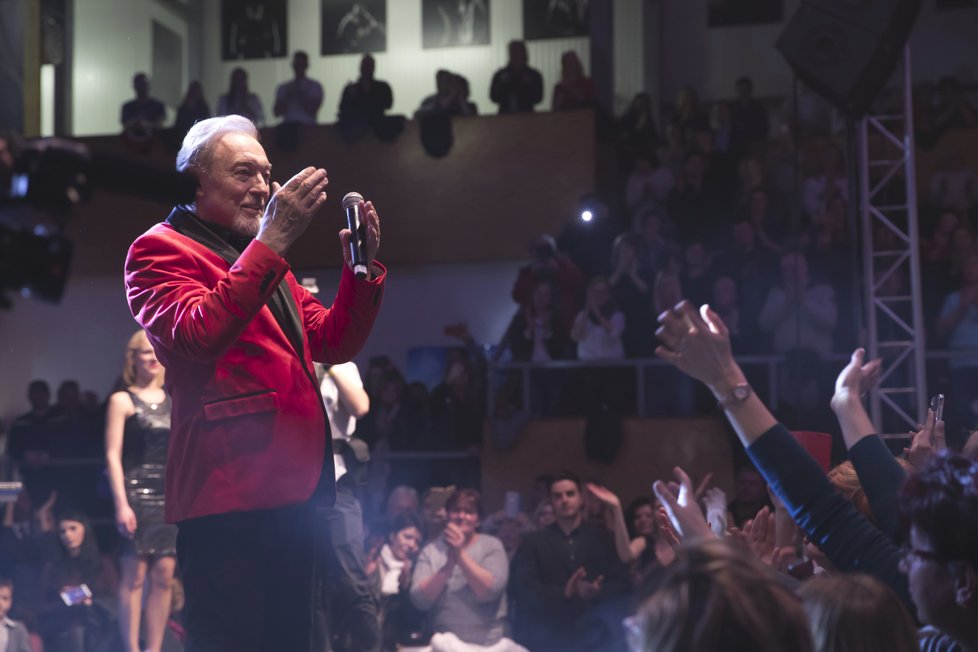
(741, 392)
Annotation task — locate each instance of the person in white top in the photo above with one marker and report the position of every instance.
(353, 613)
(298, 100)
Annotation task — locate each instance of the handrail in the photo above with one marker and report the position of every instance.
(770, 362)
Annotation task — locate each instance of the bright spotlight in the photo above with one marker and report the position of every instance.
(587, 215)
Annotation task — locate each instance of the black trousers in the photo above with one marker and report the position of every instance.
(347, 611)
(249, 580)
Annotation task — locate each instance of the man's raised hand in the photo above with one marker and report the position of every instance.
(291, 208)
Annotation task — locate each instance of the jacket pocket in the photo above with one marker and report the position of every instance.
(241, 405)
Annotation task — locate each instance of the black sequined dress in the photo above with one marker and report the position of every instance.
(144, 444)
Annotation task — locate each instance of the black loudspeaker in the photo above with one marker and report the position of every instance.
(845, 50)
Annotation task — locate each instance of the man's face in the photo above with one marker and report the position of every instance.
(300, 64)
(367, 67)
(234, 185)
(6, 600)
(566, 498)
(69, 397)
(39, 397)
(140, 84)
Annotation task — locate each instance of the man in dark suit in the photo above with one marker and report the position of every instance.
(250, 454)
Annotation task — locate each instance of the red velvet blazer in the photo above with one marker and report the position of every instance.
(248, 430)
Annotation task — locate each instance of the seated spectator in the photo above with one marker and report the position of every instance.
(460, 580)
(831, 180)
(718, 597)
(750, 264)
(393, 568)
(635, 533)
(749, 120)
(509, 529)
(568, 582)
(549, 264)
(937, 247)
(73, 562)
(744, 334)
(450, 98)
(239, 100)
(963, 244)
(637, 125)
(769, 228)
(689, 114)
(575, 90)
(750, 172)
(544, 514)
(30, 443)
(698, 274)
(672, 153)
(15, 636)
(654, 243)
(193, 109)
(952, 108)
(958, 326)
(648, 186)
(536, 333)
(517, 88)
(364, 101)
(856, 612)
(668, 289)
(721, 129)
(298, 100)
(457, 413)
(720, 174)
(954, 185)
(631, 287)
(692, 204)
(434, 516)
(599, 327)
(143, 116)
(22, 549)
(750, 496)
(798, 314)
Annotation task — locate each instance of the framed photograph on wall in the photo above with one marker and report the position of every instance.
(454, 23)
(353, 27)
(728, 13)
(254, 29)
(543, 19)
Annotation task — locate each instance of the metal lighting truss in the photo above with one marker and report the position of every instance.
(891, 263)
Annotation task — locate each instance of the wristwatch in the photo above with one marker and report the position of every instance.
(737, 394)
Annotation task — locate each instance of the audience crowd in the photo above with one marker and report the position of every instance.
(876, 553)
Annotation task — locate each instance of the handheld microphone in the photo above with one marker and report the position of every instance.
(351, 206)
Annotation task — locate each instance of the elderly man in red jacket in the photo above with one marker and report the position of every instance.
(249, 453)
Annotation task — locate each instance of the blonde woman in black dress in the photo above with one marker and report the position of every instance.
(136, 433)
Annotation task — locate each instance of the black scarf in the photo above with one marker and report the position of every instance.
(229, 246)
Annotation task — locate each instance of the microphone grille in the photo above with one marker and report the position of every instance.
(352, 199)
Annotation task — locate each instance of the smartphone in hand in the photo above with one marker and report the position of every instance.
(72, 595)
(937, 405)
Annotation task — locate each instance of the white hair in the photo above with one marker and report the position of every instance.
(199, 141)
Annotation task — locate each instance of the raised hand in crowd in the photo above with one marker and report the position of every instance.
(681, 506)
(45, 513)
(715, 502)
(857, 378)
(759, 534)
(926, 441)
